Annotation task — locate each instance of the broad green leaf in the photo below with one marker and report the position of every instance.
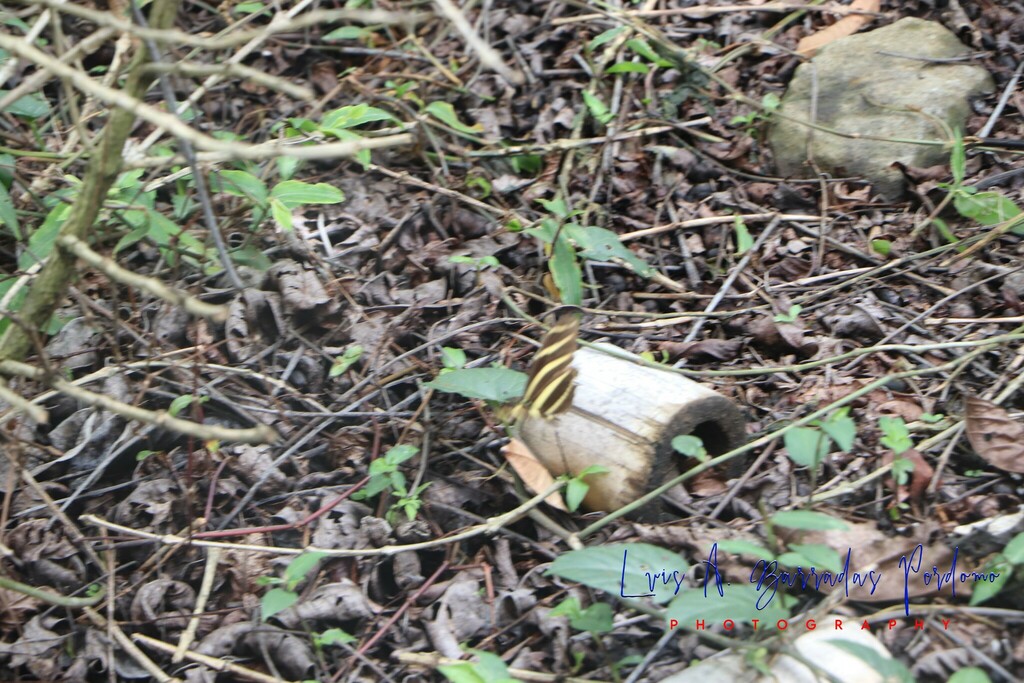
(808, 520)
(628, 68)
(8, 216)
(958, 160)
(987, 208)
(295, 193)
(1014, 550)
(607, 36)
(971, 674)
(595, 619)
(737, 601)
(644, 50)
(353, 115)
(179, 404)
(31, 106)
(276, 600)
(806, 446)
(347, 33)
(739, 547)
(986, 590)
(743, 239)
(396, 455)
(242, 184)
(597, 108)
(841, 428)
(813, 554)
(889, 669)
(40, 243)
(575, 492)
(281, 213)
(491, 384)
(600, 244)
(301, 566)
(624, 569)
(566, 272)
(333, 636)
(445, 113)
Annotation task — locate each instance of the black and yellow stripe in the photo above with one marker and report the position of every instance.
(550, 381)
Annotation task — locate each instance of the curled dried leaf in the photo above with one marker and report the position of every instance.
(994, 436)
(534, 475)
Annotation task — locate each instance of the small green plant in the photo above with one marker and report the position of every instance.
(595, 620)
(1001, 569)
(987, 208)
(452, 359)
(769, 105)
(808, 446)
(789, 316)
(563, 236)
(279, 201)
(346, 360)
(577, 488)
(487, 669)
(283, 595)
(690, 446)
(385, 476)
(332, 636)
(481, 263)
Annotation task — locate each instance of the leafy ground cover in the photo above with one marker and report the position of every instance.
(247, 330)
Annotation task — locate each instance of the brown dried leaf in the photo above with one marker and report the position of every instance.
(706, 349)
(846, 26)
(919, 478)
(534, 475)
(994, 436)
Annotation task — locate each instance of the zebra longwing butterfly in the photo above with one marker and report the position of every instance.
(549, 384)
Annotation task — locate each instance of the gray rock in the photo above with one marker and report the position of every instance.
(863, 93)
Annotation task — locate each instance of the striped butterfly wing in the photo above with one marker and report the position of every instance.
(550, 382)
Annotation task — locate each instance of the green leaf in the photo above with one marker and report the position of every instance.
(881, 247)
(347, 33)
(352, 116)
(958, 160)
(566, 272)
(276, 600)
(628, 68)
(32, 106)
(1014, 550)
(813, 554)
(743, 239)
(346, 360)
(841, 428)
(597, 108)
(445, 113)
(739, 547)
(987, 208)
(889, 668)
(689, 445)
(896, 435)
(295, 193)
(8, 216)
(595, 619)
(806, 446)
(333, 636)
(604, 568)
(282, 214)
(40, 243)
(575, 491)
(453, 358)
(302, 565)
(986, 590)
(737, 602)
(492, 384)
(179, 404)
(242, 184)
(605, 37)
(463, 672)
(644, 50)
(971, 674)
(808, 520)
(396, 455)
(604, 245)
